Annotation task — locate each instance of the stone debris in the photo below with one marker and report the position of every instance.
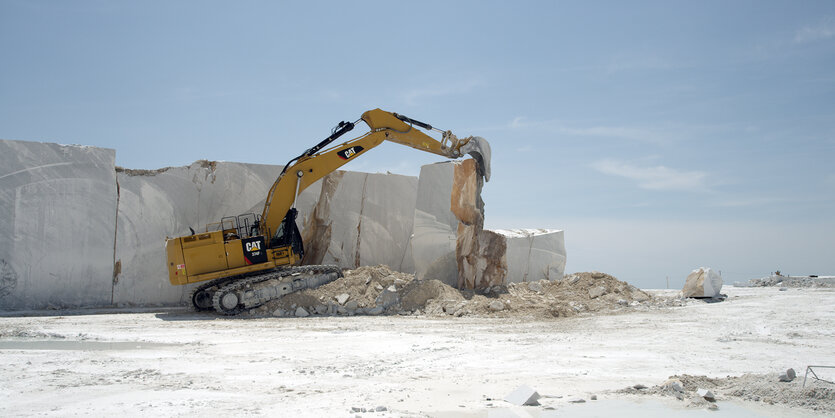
(703, 282)
(788, 376)
(342, 298)
(766, 388)
(596, 292)
(301, 312)
(535, 287)
(577, 400)
(784, 282)
(708, 395)
(523, 395)
(378, 290)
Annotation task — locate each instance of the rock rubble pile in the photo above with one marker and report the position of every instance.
(702, 391)
(793, 281)
(376, 290)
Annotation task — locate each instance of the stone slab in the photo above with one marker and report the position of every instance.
(57, 220)
(534, 254)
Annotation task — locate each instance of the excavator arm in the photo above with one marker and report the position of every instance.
(320, 161)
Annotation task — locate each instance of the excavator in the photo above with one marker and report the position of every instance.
(244, 261)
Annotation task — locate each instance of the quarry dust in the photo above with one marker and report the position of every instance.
(376, 290)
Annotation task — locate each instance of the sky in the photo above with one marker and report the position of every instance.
(661, 136)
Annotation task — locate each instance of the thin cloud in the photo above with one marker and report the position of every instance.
(625, 132)
(656, 177)
(821, 31)
(414, 96)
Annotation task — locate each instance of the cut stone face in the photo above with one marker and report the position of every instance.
(57, 220)
(534, 254)
(362, 219)
(86, 234)
(435, 226)
(703, 282)
(450, 244)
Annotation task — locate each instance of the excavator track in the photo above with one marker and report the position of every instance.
(236, 295)
(201, 296)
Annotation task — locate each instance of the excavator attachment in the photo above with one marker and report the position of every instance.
(479, 149)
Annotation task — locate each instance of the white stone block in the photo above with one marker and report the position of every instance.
(703, 282)
(435, 226)
(57, 221)
(534, 254)
(523, 395)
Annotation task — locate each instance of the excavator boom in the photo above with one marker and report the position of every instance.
(317, 162)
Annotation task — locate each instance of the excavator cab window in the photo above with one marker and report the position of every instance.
(288, 234)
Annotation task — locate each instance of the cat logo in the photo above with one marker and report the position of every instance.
(253, 250)
(347, 153)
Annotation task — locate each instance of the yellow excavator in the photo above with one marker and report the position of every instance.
(245, 261)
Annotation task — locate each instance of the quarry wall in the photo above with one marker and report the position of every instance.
(76, 231)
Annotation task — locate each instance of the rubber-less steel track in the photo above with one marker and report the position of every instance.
(235, 295)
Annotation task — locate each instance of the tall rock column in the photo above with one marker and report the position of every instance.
(480, 254)
(448, 242)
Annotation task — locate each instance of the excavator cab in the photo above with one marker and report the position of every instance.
(288, 234)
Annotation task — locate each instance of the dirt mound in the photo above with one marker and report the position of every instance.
(766, 388)
(377, 290)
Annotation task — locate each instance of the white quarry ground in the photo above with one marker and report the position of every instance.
(176, 362)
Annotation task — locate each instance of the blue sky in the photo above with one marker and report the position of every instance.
(662, 136)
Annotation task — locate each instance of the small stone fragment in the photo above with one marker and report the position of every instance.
(301, 312)
(577, 400)
(708, 395)
(278, 313)
(342, 298)
(791, 373)
(535, 287)
(783, 289)
(381, 409)
(496, 305)
(352, 305)
(639, 386)
(596, 292)
(593, 397)
(321, 309)
(375, 310)
(713, 407)
(673, 385)
(573, 279)
(523, 395)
